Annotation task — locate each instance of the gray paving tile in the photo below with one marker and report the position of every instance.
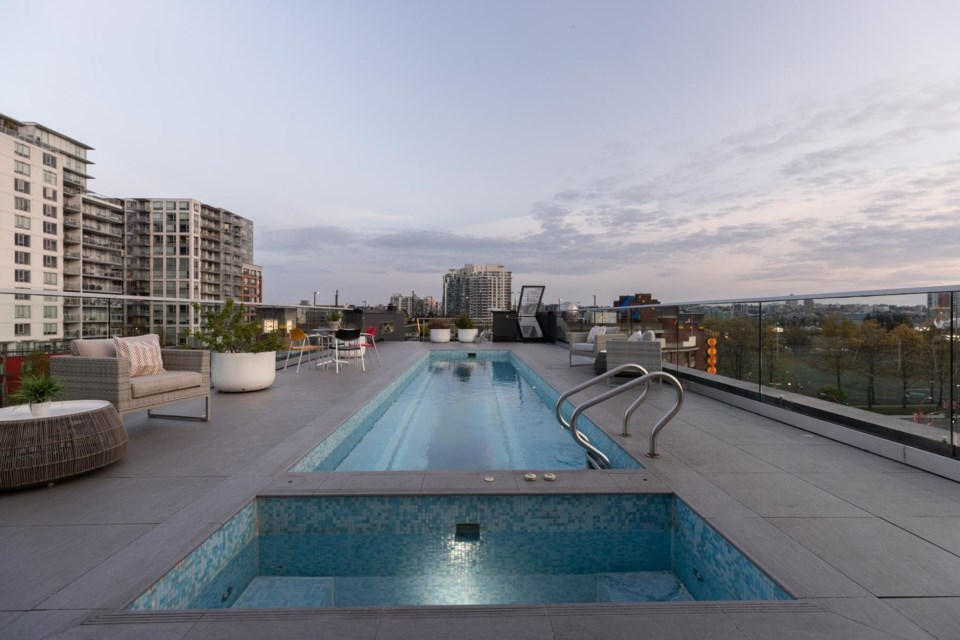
(823, 458)
(33, 625)
(371, 483)
(127, 573)
(805, 626)
(465, 627)
(105, 501)
(298, 629)
(611, 626)
(887, 494)
(943, 532)
(940, 617)
(884, 559)
(781, 495)
(39, 561)
(877, 614)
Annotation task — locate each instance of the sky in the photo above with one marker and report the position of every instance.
(696, 150)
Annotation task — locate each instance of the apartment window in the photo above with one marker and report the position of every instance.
(50, 312)
(21, 167)
(50, 177)
(21, 311)
(49, 278)
(50, 194)
(21, 222)
(21, 275)
(49, 328)
(50, 210)
(21, 329)
(50, 160)
(49, 244)
(50, 227)
(21, 204)
(21, 186)
(50, 262)
(21, 149)
(21, 257)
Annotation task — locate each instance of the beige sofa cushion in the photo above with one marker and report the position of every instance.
(104, 348)
(143, 386)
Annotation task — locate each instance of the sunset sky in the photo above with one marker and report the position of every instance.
(691, 149)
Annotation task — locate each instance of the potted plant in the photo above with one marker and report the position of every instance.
(333, 320)
(439, 331)
(243, 357)
(466, 330)
(37, 390)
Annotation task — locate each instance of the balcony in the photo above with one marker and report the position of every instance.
(861, 540)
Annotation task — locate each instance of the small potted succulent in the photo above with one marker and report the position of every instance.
(466, 330)
(38, 391)
(439, 331)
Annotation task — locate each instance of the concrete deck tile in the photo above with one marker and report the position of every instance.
(800, 571)
(886, 494)
(877, 614)
(805, 626)
(943, 532)
(302, 629)
(41, 560)
(782, 495)
(439, 483)
(34, 625)
(940, 617)
(884, 559)
(124, 575)
(372, 483)
(610, 626)
(823, 458)
(465, 627)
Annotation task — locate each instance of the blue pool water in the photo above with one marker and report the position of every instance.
(408, 550)
(454, 410)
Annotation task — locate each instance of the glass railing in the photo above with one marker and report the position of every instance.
(884, 362)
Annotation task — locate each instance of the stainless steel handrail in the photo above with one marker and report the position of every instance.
(578, 437)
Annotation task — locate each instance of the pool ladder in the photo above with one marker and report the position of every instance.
(596, 459)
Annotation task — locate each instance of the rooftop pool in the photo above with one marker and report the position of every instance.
(372, 551)
(457, 410)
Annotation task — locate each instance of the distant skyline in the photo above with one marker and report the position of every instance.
(690, 149)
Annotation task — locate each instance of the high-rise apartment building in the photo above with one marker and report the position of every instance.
(476, 289)
(56, 234)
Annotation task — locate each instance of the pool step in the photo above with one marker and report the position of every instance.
(365, 591)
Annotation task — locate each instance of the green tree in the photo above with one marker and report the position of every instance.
(911, 355)
(868, 342)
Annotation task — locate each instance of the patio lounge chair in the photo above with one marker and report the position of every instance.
(95, 372)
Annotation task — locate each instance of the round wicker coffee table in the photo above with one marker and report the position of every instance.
(74, 437)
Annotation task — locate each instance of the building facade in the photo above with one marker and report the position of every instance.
(476, 289)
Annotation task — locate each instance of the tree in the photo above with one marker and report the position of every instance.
(911, 351)
(868, 341)
(833, 350)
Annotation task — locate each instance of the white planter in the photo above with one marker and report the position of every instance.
(467, 335)
(39, 408)
(234, 372)
(439, 335)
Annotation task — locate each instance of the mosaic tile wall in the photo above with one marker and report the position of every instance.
(711, 567)
(560, 545)
(330, 453)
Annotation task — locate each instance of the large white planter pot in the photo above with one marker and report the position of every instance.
(234, 372)
(439, 335)
(467, 335)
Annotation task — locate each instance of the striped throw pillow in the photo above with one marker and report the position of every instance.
(144, 355)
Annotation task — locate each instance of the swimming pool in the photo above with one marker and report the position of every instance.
(322, 552)
(460, 410)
